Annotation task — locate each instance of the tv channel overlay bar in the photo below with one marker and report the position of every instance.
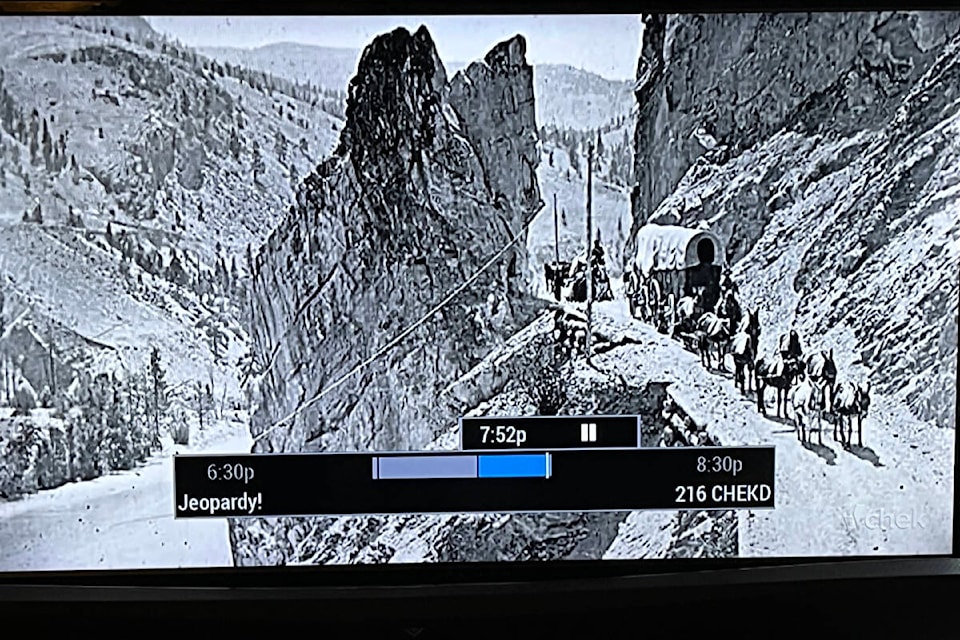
(342, 484)
(490, 433)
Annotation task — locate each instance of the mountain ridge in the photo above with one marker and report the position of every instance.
(568, 96)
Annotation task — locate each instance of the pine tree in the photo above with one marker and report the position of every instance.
(281, 147)
(7, 115)
(574, 159)
(158, 394)
(178, 220)
(257, 162)
(293, 175)
(34, 139)
(234, 144)
(47, 147)
(109, 234)
(599, 143)
(204, 400)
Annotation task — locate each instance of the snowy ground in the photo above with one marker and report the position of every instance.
(121, 521)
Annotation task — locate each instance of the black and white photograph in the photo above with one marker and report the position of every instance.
(266, 235)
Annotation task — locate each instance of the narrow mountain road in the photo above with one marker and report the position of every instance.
(891, 496)
(120, 521)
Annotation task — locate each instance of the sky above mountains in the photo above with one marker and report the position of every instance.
(607, 45)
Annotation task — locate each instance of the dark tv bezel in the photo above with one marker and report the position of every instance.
(428, 582)
(418, 587)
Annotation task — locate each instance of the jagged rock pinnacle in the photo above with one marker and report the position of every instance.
(396, 90)
(509, 53)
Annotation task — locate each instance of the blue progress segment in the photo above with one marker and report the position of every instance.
(514, 466)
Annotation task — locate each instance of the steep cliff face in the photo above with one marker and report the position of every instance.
(743, 77)
(422, 208)
(833, 178)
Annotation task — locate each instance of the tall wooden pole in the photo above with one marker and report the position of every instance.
(556, 244)
(589, 250)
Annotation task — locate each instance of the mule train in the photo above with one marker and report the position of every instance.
(678, 281)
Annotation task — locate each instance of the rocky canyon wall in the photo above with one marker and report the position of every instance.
(822, 149)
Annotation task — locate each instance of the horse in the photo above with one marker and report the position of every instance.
(776, 373)
(702, 342)
(712, 330)
(822, 370)
(807, 401)
(851, 400)
(744, 349)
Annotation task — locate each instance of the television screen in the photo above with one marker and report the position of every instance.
(368, 290)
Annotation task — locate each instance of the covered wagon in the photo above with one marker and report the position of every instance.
(670, 263)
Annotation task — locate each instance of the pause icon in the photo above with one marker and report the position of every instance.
(588, 432)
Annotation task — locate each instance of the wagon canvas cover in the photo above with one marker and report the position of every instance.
(671, 248)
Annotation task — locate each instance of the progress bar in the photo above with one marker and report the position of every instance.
(596, 479)
(536, 465)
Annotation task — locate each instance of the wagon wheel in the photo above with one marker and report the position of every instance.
(672, 314)
(641, 298)
(632, 292)
(650, 300)
(656, 302)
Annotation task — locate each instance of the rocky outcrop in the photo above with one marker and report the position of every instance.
(400, 267)
(831, 176)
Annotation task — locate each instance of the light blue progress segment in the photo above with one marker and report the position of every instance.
(441, 467)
